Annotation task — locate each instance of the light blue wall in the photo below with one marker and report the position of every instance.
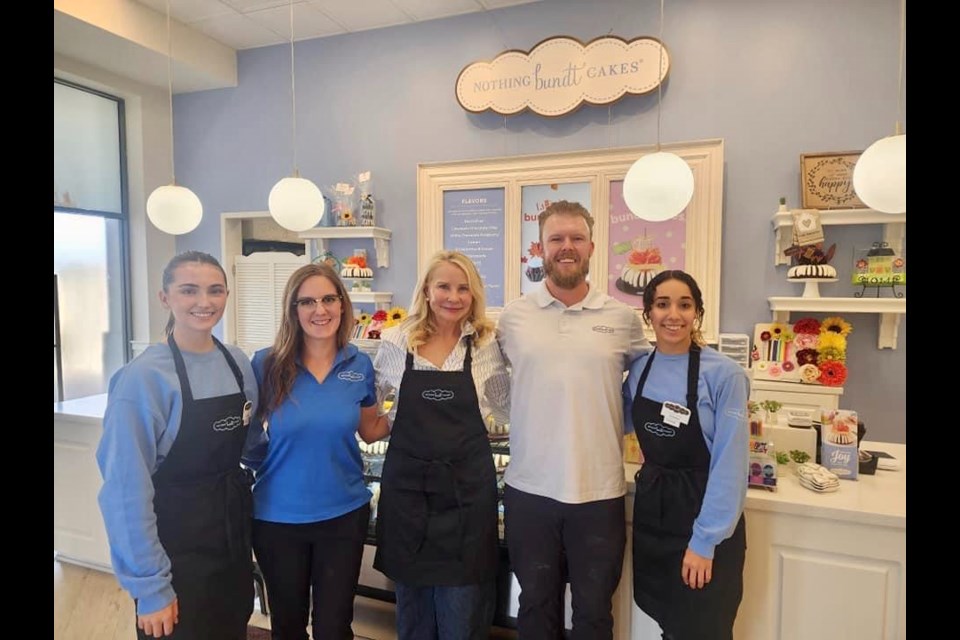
(773, 78)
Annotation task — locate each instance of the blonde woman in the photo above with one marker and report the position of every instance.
(437, 515)
(311, 506)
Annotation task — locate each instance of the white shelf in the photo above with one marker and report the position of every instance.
(893, 227)
(379, 298)
(889, 309)
(316, 240)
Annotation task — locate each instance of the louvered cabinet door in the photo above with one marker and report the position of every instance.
(259, 280)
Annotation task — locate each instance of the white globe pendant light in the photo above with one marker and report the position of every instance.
(880, 175)
(172, 208)
(659, 185)
(295, 203)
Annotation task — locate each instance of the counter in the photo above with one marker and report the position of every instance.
(78, 532)
(818, 566)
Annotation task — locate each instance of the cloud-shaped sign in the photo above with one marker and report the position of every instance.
(227, 424)
(351, 376)
(437, 395)
(560, 74)
(660, 430)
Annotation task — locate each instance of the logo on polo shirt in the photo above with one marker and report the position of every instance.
(351, 376)
(437, 395)
(602, 328)
(227, 424)
(659, 430)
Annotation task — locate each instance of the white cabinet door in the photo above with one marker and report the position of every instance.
(259, 282)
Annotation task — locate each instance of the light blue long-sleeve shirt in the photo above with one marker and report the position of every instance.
(140, 425)
(722, 393)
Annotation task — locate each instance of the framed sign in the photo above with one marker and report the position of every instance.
(473, 225)
(826, 180)
(691, 241)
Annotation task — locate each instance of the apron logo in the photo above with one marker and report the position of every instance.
(437, 395)
(351, 376)
(660, 430)
(227, 424)
(600, 328)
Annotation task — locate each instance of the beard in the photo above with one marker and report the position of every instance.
(566, 279)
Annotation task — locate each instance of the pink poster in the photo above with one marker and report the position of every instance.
(640, 249)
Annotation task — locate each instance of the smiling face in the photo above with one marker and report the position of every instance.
(673, 316)
(566, 249)
(319, 319)
(448, 294)
(196, 296)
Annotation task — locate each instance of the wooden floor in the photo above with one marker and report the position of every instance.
(90, 605)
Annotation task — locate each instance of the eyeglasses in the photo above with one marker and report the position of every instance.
(328, 302)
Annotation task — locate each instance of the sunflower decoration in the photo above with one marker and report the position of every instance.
(363, 318)
(832, 354)
(781, 331)
(836, 324)
(395, 316)
(830, 340)
(832, 373)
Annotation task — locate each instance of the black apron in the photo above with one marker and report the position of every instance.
(670, 487)
(437, 515)
(204, 508)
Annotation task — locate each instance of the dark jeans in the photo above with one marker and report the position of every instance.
(543, 537)
(323, 556)
(445, 613)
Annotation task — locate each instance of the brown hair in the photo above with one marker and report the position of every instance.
(421, 322)
(563, 207)
(280, 365)
(650, 292)
(169, 273)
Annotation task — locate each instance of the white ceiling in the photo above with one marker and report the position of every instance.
(245, 24)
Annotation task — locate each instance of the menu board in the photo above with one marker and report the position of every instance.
(473, 225)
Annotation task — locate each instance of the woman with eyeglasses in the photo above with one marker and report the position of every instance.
(311, 506)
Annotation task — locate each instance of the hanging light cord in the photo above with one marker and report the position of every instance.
(173, 173)
(293, 96)
(903, 38)
(660, 83)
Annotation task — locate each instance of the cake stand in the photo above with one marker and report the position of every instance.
(812, 287)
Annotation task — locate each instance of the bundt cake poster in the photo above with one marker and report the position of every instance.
(640, 249)
(533, 200)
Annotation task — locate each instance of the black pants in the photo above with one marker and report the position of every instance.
(323, 556)
(543, 537)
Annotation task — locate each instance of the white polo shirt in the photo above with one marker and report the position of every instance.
(566, 415)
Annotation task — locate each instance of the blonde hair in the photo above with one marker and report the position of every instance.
(421, 323)
(280, 365)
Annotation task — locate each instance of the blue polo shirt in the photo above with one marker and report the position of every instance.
(308, 466)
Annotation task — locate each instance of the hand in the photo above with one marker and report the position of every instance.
(696, 570)
(160, 623)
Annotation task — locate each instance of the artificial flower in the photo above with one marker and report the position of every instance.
(765, 336)
(774, 370)
(788, 366)
(809, 373)
(363, 318)
(832, 354)
(379, 316)
(807, 356)
(832, 373)
(898, 263)
(781, 331)
(806, 325)
(395, 316)
(861, 264)
(832, 341)
(806, 341)
(836, 324)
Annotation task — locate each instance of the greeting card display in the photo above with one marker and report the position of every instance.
(879, 267)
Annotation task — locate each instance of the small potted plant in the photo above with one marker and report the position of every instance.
(772, 407)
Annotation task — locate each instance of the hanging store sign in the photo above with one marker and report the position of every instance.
(561, 73)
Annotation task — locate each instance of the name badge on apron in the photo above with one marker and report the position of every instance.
(675, 414)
